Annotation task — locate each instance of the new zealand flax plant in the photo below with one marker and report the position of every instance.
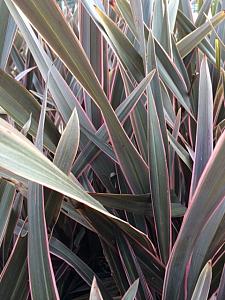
(112, 150)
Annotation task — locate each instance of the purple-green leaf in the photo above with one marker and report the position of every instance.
(204, 136)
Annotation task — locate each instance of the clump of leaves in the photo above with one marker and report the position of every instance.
(112, 149)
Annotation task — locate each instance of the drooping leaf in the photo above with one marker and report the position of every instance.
(19, 104)
(33, 165)
(46, 17)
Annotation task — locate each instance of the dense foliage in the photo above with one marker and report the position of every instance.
(112, 149)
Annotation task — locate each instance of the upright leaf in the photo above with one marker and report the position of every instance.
(210, 190)
(122, 112)
(172, 10)
(95, 293)
(204, 137)
(41, 276)
(159, 179)
(132, 291)
(14, 279)
(7, 193)
(7, 33)
(60, 250)
(203, 285)
(137, 11)
(64, 157)
(221, 289)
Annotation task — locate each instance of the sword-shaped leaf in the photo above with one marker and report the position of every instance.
(209, 193)
(204, 137)
(46, 17)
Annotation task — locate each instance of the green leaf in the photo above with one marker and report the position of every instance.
(173, 79)
(221, 290)
(156, 90)
(209, 241)
(131, 266)
(7, 33)
(60, 250)
(125, 10)
(122, 113)
(210, 190)
(175, 134)
(19, 104)
(218, 55)
(68, 145)
(203, 12)
(60, 91)
(190, 41)
(116, 267)
(159, 179)
(203, 285)
(137, 11)
(132, 291)
(181, 152)
(7, 193)
(185, 7)
(14, 277)
(204, 136)
(157, 19)
(188, 27)
(42, 280)
(137, 204)
(123, 47)
(64, 156)
(41, 276)
(165, 40)
(138, 118)
(33, 165)
(63, 97)
(129, 57)
(172, 10)
(48, 20)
